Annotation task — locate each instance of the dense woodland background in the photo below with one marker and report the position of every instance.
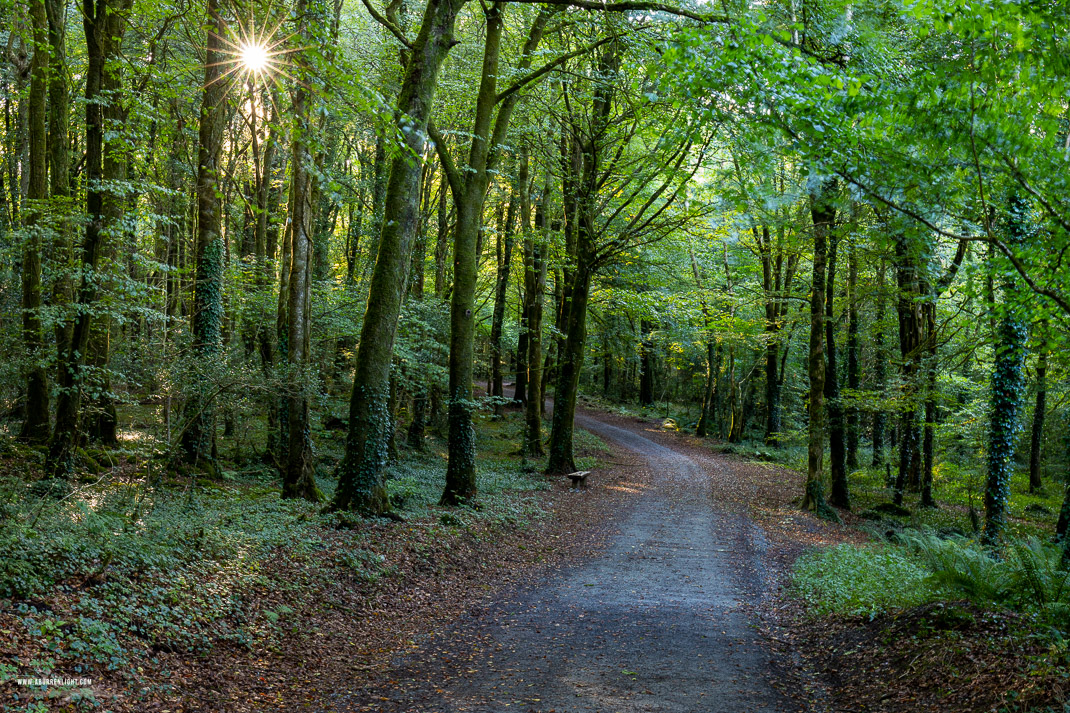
(304, 242)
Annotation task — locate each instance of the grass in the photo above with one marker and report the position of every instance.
(858, 581)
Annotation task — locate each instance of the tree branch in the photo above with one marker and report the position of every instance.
(382, 20)
(550, 66)
(627, 6)
(449, 168)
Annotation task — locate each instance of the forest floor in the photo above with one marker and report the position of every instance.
(664, 586)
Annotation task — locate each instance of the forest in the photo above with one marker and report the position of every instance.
(338, 337)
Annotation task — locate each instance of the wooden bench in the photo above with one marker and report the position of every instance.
(579, 479)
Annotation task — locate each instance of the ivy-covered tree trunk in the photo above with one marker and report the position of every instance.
(198, 437)
(103, 21)
(824, 217)
(1008, 384)
(839, 494)
(35, 424)
(1036, 437)
(360, 474)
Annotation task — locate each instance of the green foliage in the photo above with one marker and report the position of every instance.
(846, 579)
(1026, 576)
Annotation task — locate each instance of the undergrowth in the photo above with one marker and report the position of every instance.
(129, 565)
(920, 567)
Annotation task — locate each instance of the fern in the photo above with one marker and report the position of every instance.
(1026, 575)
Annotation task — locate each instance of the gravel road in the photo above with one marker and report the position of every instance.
(654, 621)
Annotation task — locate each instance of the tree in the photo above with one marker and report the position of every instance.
(35, 424)
(360, 484)
(103, 21)
(198, 437)
(299, 479)
(824, 217)
(1007, 385)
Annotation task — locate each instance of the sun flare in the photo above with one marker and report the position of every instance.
(254, 57)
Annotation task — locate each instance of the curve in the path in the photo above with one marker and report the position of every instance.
(653, 623)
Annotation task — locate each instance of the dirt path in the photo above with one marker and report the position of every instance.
(654, 622)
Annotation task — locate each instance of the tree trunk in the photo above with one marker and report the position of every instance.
(880, 371)
(568, 376)
(1007, 387)
(709, 398)
(469, 190)
(1036, 438)
(908, 308)
(198, 438)
(360, 483)
(646, 364)
(853, 349)
(298, 478)
(35, 425)
(103, 25)
(824, 217)
(839, 494)
(535, 286)
(501, 287)
(59, 159)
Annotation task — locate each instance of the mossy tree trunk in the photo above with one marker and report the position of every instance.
(360, 474)
(469, 188)
(35, 424)
(198, 438)
(103, 21)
